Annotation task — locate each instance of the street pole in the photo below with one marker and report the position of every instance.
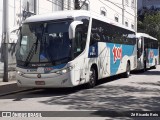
(5, 39)
(135, 9)
(123, 11)
(35, 7)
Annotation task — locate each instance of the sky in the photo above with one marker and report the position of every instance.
(139, 3)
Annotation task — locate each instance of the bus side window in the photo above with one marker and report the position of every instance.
(94, 38)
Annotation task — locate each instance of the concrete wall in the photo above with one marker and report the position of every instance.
(119, 8)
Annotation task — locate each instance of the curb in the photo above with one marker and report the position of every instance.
(9, 89)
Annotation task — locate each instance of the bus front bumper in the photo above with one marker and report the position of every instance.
(54, 81)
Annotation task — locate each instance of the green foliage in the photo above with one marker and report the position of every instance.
(149, 22)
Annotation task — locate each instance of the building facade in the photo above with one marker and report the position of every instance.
(122, 11)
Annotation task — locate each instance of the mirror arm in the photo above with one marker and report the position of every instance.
(72, 28)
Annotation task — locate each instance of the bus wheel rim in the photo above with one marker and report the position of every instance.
(92, 77)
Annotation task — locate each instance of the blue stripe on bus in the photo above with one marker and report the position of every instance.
(126, 50)
(150, 57)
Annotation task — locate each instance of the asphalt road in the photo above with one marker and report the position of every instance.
(139, 92)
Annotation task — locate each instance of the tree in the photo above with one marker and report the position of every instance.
(151, 24)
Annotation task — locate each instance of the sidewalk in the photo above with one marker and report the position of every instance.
(10, 86)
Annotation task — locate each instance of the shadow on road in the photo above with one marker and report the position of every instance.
(48, 92)
(152, 73)
(101, 98)
(148, 72)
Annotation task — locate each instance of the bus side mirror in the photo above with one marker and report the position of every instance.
(139, 43)
(72, 28)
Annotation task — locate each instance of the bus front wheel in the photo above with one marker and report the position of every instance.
(92, 78)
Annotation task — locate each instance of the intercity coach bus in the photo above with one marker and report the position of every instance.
(70, 48)
(147, 51)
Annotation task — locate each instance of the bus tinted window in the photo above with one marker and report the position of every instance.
(150, 43)
(110, 33)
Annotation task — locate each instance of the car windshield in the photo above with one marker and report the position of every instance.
(44, 43)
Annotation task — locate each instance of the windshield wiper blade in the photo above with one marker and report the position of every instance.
(30, 55)
(31, 52)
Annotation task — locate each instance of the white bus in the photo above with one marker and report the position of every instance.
(147, 51)
(70, 48)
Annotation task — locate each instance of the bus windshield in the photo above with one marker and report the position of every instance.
(44, 44)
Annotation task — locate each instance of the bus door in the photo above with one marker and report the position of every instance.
(140, 43)
(145, 52)
(79, 47)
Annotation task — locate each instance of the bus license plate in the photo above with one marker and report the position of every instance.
(39, 82)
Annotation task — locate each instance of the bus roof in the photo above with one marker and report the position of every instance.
(144, 35)
(73, 14)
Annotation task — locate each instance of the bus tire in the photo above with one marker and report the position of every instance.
(154, 67)
(92, 78)
(144, 68)
(128, 71)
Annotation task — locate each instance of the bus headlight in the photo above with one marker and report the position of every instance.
(63, 71)
(20, 73)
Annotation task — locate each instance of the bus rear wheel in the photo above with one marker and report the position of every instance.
(92, 78)
(128, 71)
(154, 67)
(145, 67)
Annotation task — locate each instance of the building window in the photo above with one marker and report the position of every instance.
(58, 5)
(85, 6)
(127, 3)
(116, 18)
(28, 8)
(29, 5)
(132, 4)
(126, 24)
(103, 13)
(69, 4)
(132, 26)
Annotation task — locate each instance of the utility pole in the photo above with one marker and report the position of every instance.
(5, 39)
(36, 7)
(123, 11)
(135, 9)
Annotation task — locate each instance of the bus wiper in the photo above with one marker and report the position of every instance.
(30, 55)
(31, 52)
(36, 44)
